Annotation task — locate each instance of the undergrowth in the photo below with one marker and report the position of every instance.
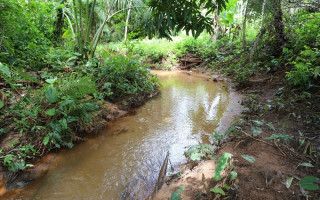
(56, 105)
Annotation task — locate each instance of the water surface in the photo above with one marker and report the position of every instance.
(126, 157)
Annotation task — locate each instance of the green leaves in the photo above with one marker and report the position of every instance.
(5, 70)
(308, 183)
(14, 163)
(51, 112)
(199, 152)
(306, 67)
(222, 163)
(248, 158)
(289, 182)
(217, 190)
(305, 164)
(51, 81)
(195, 156)
(1, 104)
(77, 87)
(51, 94)
(271, 126)
(258, 123)
(279, 137)
(176, 195)
(234, 175)
(176, 15)
(27, 27)
(46, 140)
(256, 131)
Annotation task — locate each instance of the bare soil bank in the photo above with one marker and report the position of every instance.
(275, 161)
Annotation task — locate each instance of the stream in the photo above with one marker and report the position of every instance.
(123, 162)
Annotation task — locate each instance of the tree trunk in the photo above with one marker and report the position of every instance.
(215, 27)
(59, 24)
(244, 42)
(280, 37)
(127, 23)
(262, 31)
(90, 17)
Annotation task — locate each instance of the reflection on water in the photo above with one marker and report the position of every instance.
(127, 156)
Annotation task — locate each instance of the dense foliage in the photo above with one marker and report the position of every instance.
(25, 38)
(180, 15)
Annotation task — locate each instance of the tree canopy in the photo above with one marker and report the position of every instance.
(170, 16)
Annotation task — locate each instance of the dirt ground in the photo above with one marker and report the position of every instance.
(275, 161)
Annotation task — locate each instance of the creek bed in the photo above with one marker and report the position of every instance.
(123, 162)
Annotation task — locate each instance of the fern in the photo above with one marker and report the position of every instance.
(76, 87)
(80, 110)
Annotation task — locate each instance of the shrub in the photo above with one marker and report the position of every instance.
(306, 68)
(24, 40)
(125, 77)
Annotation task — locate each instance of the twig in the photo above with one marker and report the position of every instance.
(279, 148)
(238, 143)
(256, 138)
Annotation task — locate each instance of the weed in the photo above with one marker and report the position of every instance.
(200, 152)
(176, 195)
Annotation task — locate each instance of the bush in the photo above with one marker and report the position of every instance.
(125, 77)
(24, 40)
(50, 115)
(306, 68)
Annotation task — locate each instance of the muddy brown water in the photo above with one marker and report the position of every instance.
(123, 162)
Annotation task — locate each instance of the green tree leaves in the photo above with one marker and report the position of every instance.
(26, 32)
(170, 16)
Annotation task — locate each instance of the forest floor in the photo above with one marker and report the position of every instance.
(265, 113)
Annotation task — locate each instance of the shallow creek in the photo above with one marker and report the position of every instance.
(125, 159)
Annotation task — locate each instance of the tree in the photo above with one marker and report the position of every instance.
(59, 23)
(170, 16)
(277, 22)
(261, 33)
(245, 15)
(81, 20)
